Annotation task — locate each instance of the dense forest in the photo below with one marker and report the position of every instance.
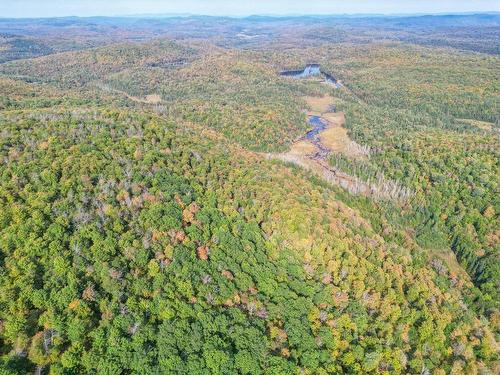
(150, 223)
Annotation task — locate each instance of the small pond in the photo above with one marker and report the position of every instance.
(311, 70)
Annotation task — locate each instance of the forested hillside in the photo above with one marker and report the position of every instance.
(164, 209)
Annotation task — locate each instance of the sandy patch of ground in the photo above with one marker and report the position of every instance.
(153, 99)
(335, 136)
(303, 147)
(319, 103)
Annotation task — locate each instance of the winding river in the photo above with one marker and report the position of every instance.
(318, 126)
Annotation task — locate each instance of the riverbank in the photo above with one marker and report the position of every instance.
(327, 137)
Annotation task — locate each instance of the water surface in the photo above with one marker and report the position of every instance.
(311, 70)
(318, 126)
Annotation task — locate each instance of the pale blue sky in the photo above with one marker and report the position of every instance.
(48, 8)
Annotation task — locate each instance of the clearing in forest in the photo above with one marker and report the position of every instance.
(334, 137)
(312, 153)
(329, 136)
(148, 99)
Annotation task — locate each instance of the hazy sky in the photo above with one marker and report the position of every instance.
(47, 8)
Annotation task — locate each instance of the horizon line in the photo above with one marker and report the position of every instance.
(270, 15)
